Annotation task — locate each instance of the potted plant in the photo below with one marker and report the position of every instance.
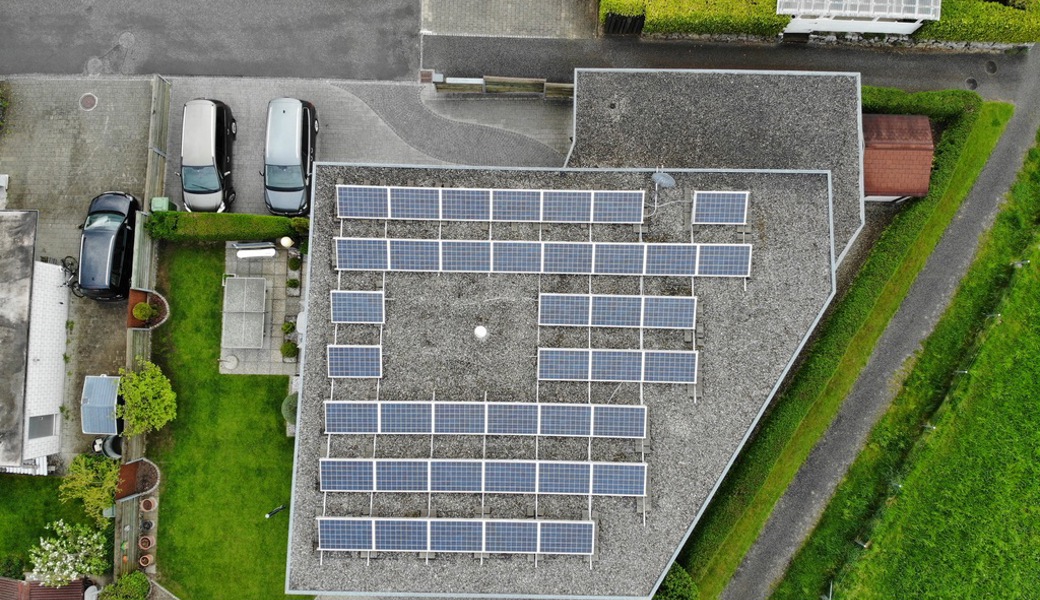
(290, 351)
(147, 309)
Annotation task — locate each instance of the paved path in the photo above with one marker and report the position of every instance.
(511, 18)
(804, 501)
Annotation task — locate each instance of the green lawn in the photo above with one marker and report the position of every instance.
(225, 460)
(27, 504)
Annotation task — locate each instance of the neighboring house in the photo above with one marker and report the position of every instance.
(13, 589)
(858, 16)
(34, 309)
(897, 160)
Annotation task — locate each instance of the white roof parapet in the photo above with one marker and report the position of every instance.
(871, 9)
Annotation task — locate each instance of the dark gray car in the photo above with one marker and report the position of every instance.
(106, 249)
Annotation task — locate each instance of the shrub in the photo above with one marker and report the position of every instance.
(75, 550)
(701, 17)
(92, 479)
(982, 21)
(132, 586)
(292, 283)
(288, 327)
(217, 227)
(144, 311)
(622, 8)
(295, 262)
(150, 401)
(13, 566)
(289, 407)
(677, 585)
(301, 225)
(290, 349)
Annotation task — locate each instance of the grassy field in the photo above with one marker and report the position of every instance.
(802, 412)
(225, 460)
(27, 504)
(982, 403)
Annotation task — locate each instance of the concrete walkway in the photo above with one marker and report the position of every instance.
(511, 18)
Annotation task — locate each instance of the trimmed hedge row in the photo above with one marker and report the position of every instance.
(984, 21)
(701, 16)
(222, 227)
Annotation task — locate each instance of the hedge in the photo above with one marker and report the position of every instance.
(984, 21)
(218, 227)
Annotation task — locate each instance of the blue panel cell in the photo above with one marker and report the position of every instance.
(617, 311)
(351, 417)
(720, 208)
(517, 257)
(456, 476)
(617, 365)
(357, 307)
(724, 261)
(458, 418)
(619, 259)
(619, 480)
(662, 312)
(619, 421)
(563, 478)
(516, 205)
(467, 257)
(567, 538)
(512, 419)
(617, 207)
(563, 365)
(671, 367)
(401, 536)
(511, 536)
(456, 536)
(414, 203)
(362, 202)
(509, 477)
(566, 419)
(415, 255)
(346, 476)
(562, 309)
(466, 205)
(344, 534)
(402, 476)
(407, 417)
(671, 259)
(568, 258)
(567, 207)
(353, 254)
(355, 361)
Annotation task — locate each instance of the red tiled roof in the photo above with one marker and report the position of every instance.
(897, 160)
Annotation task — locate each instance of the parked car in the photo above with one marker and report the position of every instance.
(106, 248)
(292, 132)
(207, 137)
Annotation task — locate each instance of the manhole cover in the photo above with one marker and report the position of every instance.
(88, 101)
(971, 83)
(991, 67)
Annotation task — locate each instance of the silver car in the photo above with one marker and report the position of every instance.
(292, 133)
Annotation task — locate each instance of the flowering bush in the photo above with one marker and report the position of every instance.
(75, 550)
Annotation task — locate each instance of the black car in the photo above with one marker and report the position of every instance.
(106, 249)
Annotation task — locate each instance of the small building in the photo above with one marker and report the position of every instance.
(858, 16)
(897, 158)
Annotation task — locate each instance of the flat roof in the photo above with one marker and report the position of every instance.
(17, 246)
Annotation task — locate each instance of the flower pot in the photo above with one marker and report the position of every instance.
(146, 560)
(146, 542)
(149, 504)
(147, 525)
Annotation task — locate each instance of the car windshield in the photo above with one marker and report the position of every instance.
(200, 180)
(284, 178)
(102, 221)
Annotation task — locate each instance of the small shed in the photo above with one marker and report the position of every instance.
(98, 405)
(897, 157)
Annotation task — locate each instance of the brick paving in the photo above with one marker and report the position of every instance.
(511, 18)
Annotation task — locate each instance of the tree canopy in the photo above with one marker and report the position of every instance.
(149, 399)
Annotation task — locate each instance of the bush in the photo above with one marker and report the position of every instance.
(983, 21)
(74, 551)
(290, 350)
(292, 283)
(13, 566)
(289, 408)
(288, 327)
(132, 586)
(144, 311)
(677, 585)
(217, 227)
(301, 225)
(295, 262)
(622, 8)
(92, 479)
(701, 17)
(150, 401)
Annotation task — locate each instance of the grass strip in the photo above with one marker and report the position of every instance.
(27, 504)
(225, 460)
(804, 409)
(945, 536)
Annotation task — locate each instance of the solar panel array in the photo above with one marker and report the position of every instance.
(466, 204)
(483, 477)
(720, 208)
(355, 361)
(644, 366)
(357, 307)
(456, 535)
(579, 258)
(486, 418)
(590, 310)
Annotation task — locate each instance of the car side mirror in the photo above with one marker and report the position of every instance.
(177, 174)
(226, 174)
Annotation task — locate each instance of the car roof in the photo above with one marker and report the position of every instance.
(284, 122)
(198, 135)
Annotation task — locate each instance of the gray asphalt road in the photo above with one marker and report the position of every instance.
(346, 39)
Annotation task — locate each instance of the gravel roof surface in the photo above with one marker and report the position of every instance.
(726, 120)
(753, 329)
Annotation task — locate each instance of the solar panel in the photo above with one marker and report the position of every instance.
(355, 361)
(619, 259)
(563, 478)
(407, 417)
(456, 476)
(720, 208)
(567, 258)
(512, 419)
(402, 476)
(619, 421)
(511, 536)
(670, 367)
(566, 538)
(414, 203)
(563, 365)
(516, 205)
(456, 536)
(724, 260)
(567, 207)
(351, 417)
(469, 257)
(347, 476)
(617, 365)
(362, 202)
(619, 479)
(345, 534)
(617, 207)
(563, 309)
(667, 312)
(671, 259)
(458, 418)
(566, 419)
(357, 307)
(364, 254)
(651, 312)
(401, 535)
(510, 477)
(415, 255)
(517, 257)
(617, 311)
(466, 205)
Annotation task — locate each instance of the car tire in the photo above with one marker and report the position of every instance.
(234, 129)
(315, 126)
(231, 198)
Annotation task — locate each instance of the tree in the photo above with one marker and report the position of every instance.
(149, 399)
(92, 479)
(75, 550)
(132, 586)
(677, 585)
